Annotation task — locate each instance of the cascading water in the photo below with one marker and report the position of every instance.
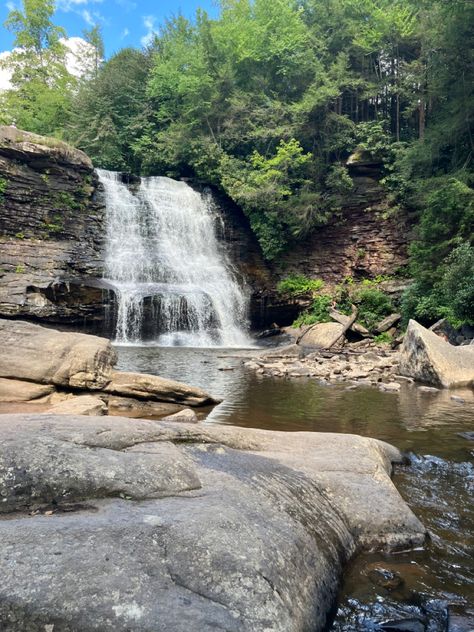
(164, 262)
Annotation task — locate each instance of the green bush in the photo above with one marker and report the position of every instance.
(373, 305)
(317, 313)
(298, 284)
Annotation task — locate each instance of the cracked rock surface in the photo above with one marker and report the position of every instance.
(112, 524)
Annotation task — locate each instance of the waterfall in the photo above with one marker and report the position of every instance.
(169, 273)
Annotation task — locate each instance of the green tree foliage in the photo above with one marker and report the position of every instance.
(268, 100)
(40, 97)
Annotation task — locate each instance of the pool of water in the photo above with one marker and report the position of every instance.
(435, 585)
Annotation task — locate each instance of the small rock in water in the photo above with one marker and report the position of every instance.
(385, 578)
(391, 386)
(458, 399)
(406, 625)
(467, 435)
(428, 389)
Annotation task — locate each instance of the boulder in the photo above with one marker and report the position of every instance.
(187, 416)
(236, 529)
(80, 405)
(428, 358)
(21, 391)
(154, 388)
(322, 335)
(46, 356)
(387, 323)
(139, 408)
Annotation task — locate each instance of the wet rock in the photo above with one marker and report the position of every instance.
(404, 625)
(21, 391)
(80, 405)
(427, 358)
(428, 389)
(236, 530)
(459, 400)
(154, 388)
(46, 356)
(385, 578)
(467, 435)
(390, 387)
(138, 408)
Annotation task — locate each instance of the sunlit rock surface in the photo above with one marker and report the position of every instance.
(428, 358)
(182, 527)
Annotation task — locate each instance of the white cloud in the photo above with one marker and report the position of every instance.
(88, 17)
(75, 58)
(10, 6)
(149, 24)
(125, 33)
(71, 5)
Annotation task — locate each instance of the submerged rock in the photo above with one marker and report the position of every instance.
(428, 358)
(231, 529)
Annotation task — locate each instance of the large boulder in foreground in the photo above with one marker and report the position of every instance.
(46, 356)
(428, 358)
(156, 526)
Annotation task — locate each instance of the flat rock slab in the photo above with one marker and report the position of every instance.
(322, 335)
(428, 358)
(46, 356)
(80, 405)
(154, 388)
(21, 391)
(185, 527)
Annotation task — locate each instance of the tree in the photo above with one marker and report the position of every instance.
(40, 97)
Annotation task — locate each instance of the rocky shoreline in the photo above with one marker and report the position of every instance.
(423, 359)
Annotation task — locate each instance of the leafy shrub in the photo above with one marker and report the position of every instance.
(373, 305)
(298, 284)
(384, 338)
(457, 284)
(317, 313)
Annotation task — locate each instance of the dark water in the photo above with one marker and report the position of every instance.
(432, 588)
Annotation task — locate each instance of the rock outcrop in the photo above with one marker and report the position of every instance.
(426, 357)
(51, 231)
(35, 361)
(184, 527)
(46, 356)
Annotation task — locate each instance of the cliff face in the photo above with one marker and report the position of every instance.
(366, 239)
(51, 230)
(52, 227)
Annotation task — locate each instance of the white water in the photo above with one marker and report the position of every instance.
(164, 261)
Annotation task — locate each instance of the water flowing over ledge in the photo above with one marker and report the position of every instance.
(162, 251)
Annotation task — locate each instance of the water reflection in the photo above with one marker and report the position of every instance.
(438, 485)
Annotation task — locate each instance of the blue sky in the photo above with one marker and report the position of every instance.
(124, 22)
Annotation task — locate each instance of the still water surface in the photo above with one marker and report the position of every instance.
(438, 580)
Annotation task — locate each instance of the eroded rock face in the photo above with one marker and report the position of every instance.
(51, 230)
(80, 405)
(21, 391)
(322, 335)
(428, 358)
(46, 356)
(226, 528)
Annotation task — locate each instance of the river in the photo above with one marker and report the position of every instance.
(424, 590)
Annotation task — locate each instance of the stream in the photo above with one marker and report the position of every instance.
(425, 590)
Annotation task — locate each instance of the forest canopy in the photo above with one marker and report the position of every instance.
(267, 101)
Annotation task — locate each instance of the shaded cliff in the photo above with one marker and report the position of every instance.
(52, 227)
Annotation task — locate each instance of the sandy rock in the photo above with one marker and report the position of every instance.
(46, 356)
(80, 405)
(21, 391)
(427, 358)
(154, 388)
(237, 530)
(187, 416)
